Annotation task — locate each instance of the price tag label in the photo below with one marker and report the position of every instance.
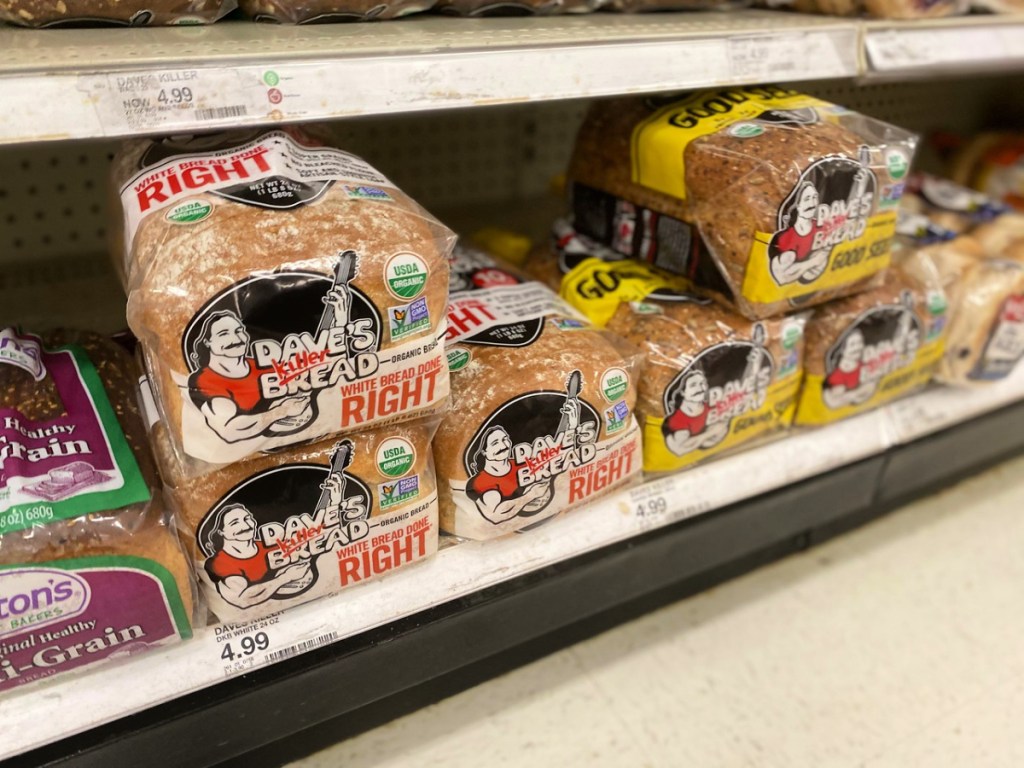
(661, 502)
(789, 56)
(918, 416)
(168, 99)
(242, 647)
(895, 50)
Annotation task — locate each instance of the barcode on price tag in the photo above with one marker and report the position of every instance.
(305, 645)
(169, 99)
(788, 56)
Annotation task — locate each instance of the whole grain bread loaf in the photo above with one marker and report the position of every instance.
(83, 531)
(282, 529)
(866, 350)
(324, 11)
(287, 292)
(794, 198)
(132, 13)
(542, 404)
(713, 379)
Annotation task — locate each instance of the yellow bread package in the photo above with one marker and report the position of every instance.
(89, 569)
(713, 379)
(281, 290)
(868, 349)
(542, 404)
(595, 279)
(282, 529)
(795, 198)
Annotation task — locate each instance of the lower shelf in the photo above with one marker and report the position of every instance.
(474, 601)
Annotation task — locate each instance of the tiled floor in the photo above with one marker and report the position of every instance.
(901, 644)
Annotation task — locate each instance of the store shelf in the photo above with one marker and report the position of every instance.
(66, 84)
(468, 570)
(945, 46)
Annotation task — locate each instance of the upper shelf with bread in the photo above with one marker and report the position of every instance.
(87, 83)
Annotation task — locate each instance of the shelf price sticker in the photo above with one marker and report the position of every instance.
(130, 102)
(787, 56)
(916, 417)
(241, 648)
(661, 502)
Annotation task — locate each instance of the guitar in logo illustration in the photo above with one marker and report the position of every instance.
(262, 540)
(257, 369)
(515, 460)
(724, 381)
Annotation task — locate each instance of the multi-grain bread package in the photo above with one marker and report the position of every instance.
(281, 290)
(282, 529)
(89, 569)
(795, 197)
(947, 204)
(542, 404)
(713, 380)
(868, 349)
(128, 13)
(328, 11)
(595, 279)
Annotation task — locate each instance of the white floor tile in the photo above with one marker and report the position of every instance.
(901, 644)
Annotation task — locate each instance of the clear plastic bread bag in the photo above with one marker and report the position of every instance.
(879, 345)
(89, 568)
(543, 402)
(120, 13)
(330, 11)
(281, 290)
(795, 198)
(304, 522)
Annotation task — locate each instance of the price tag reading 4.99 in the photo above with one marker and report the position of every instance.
(247, 645)
(179, 98)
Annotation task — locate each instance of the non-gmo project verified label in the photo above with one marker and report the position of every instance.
(409, 319)
(398, 492)
(615, 418)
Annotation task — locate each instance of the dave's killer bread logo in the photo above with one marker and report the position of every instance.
(263, 540)
(260, 353)
(830, 205)
(526, 447)
(1005, 345)
(882, 340)
(722, 383)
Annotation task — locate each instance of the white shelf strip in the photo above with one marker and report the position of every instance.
(992, 43)
(121, 688)
(72, 84)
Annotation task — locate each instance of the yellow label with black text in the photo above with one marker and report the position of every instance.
(597, 288)
(683, 438)
(659, 143)
(843, 393)
(779, 267)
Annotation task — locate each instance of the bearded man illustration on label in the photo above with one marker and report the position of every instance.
(251, 563)
(857, 363)
(496, 484)
(690, 422)
(241, 566)
(226, 382)
(817, 216)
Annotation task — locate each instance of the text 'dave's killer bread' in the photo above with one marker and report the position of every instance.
(542, 404)
(281, 291)
(795, 198)
(713, 379)
(89, 569)
(274, 531)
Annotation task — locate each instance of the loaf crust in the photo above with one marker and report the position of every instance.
(176, 274)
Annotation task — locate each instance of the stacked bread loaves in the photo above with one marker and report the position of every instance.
(130, 13)
(89, 569)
